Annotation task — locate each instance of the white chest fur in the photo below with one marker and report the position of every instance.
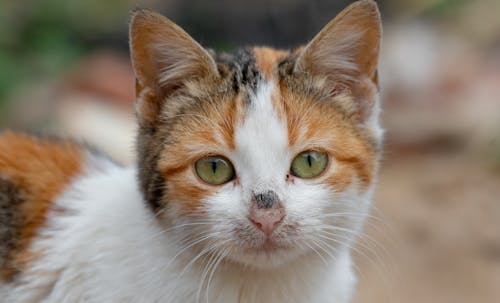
(108, 247)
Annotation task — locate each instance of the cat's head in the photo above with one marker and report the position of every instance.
(261, 155)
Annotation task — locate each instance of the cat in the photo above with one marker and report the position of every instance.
(255, 173)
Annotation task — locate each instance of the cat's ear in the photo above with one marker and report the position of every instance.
(346, 52)
(164, 57)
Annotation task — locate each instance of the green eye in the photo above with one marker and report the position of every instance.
(309, 164)
(214, 170)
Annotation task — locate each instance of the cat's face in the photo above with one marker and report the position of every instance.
(260, 156)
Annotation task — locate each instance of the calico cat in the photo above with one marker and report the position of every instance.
(255, 173)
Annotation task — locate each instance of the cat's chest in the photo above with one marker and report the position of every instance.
(317, 283)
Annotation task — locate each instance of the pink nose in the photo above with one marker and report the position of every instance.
(266, 219)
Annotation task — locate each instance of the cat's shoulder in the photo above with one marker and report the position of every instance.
(30, 160)
(34, 171)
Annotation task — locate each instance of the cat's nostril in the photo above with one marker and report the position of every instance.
(257, 224)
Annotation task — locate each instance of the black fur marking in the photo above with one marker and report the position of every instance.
(286, 66)
(156, 191)
(268, 199)
(152, 183)
(236, 81)
(249, 72)
(243, 67)
(11, 221)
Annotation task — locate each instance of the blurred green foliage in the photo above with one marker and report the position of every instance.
(42, 38)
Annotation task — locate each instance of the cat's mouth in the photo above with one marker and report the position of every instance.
(269, 245)
(253, 247)
(266, 249)
(256, 241)
(256, 249)
(261, 243)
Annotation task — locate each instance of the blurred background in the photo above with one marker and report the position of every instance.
(435, 231)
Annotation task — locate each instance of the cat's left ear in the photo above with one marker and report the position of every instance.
(164, 58)
(345, 53)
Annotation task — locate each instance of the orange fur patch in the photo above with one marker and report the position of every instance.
(313, 125)
(267, 60)
(183, 188)
(196, 136)
(42, 169)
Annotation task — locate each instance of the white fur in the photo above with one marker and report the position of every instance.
(107, 246)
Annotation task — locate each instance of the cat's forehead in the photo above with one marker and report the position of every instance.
(261, 139)
(246, 68)
(254, 109)
(254, 103)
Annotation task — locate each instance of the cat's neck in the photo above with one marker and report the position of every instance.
(307, 279)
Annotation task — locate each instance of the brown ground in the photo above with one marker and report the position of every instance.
(438, 200)
(439, 228)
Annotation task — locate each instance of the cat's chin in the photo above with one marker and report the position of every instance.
(265, 256)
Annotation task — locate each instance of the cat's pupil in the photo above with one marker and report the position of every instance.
(309, 159)
(214, 166)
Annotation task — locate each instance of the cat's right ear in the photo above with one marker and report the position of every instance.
(345, 55)
(164, 57)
